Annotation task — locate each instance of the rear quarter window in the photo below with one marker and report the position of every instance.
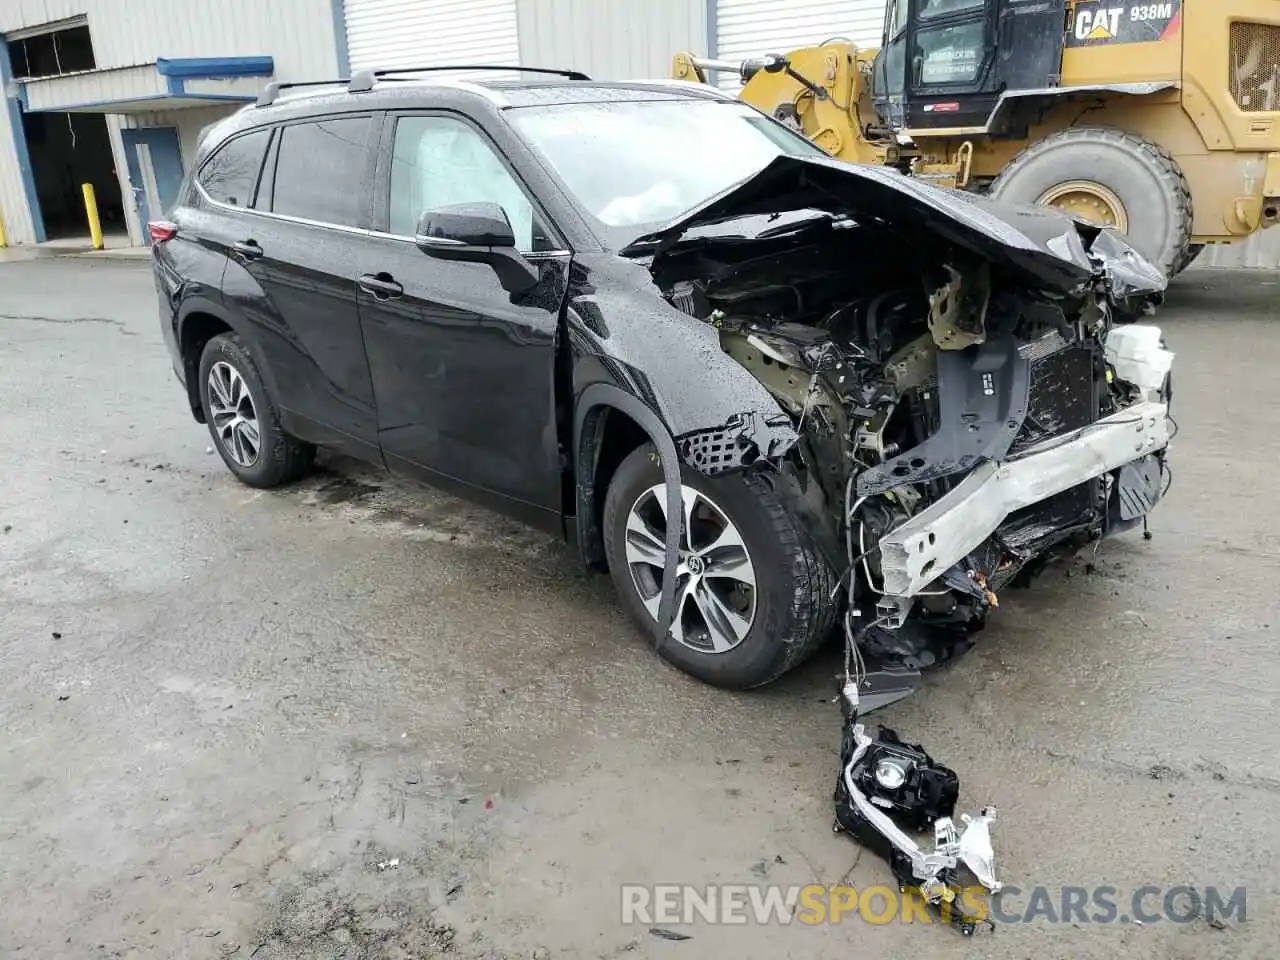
(321, 171)
(231, 174)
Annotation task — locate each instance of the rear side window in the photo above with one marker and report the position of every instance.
(231, 174)
(320, 171)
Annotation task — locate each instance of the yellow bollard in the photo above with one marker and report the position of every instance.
(4, 240)
(91, 208)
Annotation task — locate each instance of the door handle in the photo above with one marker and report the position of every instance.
(382, 285)
(248, 249)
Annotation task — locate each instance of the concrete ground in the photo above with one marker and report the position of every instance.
(115, 246)
(358, 719)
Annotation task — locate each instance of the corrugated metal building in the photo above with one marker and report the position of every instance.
(159, 70)
(115, 92)
(608, 39)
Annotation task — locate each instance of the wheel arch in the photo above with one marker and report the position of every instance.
(598, 405)
(200, 320)
(1016, 108)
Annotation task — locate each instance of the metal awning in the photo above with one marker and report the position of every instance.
(166, 84)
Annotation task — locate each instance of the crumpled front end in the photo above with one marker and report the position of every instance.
(969, 403)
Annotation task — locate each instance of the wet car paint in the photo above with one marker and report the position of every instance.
(456, 381)
(470, 387)
(1039, 247)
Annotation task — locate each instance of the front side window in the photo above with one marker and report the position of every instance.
(320, 171)
(441, 161)
(634, 165)
(230, 175)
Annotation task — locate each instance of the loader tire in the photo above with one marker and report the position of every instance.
(1193, 252)
(1065, 169)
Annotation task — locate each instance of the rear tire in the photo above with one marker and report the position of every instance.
(791, 611)
(243, 419)
(1139, 172)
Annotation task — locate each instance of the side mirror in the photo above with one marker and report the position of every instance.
(477, 233)
(465, 224)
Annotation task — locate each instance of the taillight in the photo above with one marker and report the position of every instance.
(161, 230)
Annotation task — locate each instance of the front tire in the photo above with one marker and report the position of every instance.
(753, 596)
(243, 419)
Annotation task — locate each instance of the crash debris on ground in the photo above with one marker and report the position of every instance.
(887, 790)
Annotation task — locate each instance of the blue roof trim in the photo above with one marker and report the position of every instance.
(214, 67)
(25, 170)
(106, 105)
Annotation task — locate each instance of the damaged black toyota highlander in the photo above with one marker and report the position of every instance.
(775, 395)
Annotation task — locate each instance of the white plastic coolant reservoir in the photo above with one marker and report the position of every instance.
(1138, 356)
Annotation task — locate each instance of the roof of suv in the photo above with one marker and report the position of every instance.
(546, 92)
(431, 89)
(502, 92)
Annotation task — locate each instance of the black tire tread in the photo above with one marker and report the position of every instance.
(1193, 250)
(289, 459)
(815, 580)
(801, 625)
(1148, 151)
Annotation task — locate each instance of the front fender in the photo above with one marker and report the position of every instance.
(630, 351)
(624, 335)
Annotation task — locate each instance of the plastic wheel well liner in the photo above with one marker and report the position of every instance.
(603, 395)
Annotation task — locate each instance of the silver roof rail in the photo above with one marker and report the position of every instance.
(271, 92)
(362, 81)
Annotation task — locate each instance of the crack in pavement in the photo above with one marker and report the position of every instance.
(118, 324)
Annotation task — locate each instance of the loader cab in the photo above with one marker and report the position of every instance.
(945, 63)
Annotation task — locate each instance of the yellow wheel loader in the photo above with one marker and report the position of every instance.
(1161, 119)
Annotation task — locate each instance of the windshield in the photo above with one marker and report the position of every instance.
(634, 166)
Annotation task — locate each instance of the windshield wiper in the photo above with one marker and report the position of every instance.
(836, 221)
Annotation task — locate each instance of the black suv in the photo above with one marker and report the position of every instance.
(864, 401)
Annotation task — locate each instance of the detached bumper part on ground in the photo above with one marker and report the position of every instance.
(887, 787)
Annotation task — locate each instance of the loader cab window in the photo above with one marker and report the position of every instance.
(890, 72)
(949, 42)
(940, 8)
(951, 54)
(896, 17)
(934, 50)
(931, 42)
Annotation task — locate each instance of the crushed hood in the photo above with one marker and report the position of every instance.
(1042, 248)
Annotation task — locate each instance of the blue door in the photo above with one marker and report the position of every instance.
(155, 170)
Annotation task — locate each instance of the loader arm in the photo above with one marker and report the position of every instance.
(823, 92)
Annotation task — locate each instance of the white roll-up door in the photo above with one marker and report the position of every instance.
(427, 33)
(751, 28)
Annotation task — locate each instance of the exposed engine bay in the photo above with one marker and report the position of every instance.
(963, 418)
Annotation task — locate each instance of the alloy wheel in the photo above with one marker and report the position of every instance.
(715, 579)
(235, 419)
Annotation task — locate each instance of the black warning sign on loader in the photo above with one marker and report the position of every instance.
(1106, 21)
